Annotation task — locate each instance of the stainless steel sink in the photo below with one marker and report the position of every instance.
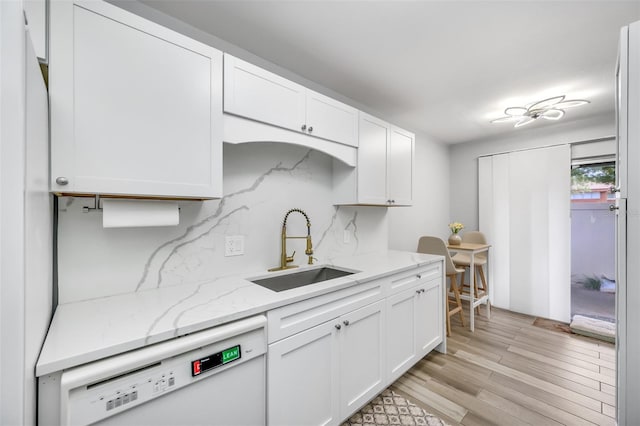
(300, 279)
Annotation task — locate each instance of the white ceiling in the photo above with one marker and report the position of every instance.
(443, 68)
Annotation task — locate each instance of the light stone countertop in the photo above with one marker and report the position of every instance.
(86, 331)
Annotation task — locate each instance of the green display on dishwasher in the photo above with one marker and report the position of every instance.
(218, 359)
(230, 354)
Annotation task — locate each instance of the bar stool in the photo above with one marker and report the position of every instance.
(434, 245)
(463, 260)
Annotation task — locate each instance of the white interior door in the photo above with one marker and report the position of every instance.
(525, 213)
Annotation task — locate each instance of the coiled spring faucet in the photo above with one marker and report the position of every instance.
(284, 259)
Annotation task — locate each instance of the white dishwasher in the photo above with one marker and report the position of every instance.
(212, 377)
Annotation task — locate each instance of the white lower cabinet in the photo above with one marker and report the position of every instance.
(361, 348)
(331, 354)
(414, 326)
(401, 332)
(302, 378)
(322, 375)
(429, 317)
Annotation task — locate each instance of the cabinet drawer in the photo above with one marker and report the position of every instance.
(406, 280)
(297, 317)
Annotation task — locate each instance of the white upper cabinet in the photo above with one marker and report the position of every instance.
(250, 91)
(136, 109)
(330, 119)
(400, 167)
(257, 94)
(372, 160)
(384, 173)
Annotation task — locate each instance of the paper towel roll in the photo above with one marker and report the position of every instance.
(139, 213)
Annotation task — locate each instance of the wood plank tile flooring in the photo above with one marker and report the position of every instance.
(510, 372)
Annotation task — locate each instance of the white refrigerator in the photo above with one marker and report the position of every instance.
(628, 226)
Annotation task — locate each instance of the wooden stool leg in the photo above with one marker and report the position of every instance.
(446, 297)
(458, 301)
(485, 288)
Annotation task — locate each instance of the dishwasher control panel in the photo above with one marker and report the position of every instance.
(149, 385)
(102, 399)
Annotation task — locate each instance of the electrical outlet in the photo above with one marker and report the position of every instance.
(346, 236)
(234, 245)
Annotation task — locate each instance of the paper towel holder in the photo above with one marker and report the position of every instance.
(96, 206)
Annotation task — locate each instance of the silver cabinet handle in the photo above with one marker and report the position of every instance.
(345, 322)
(614, 189)
(61, 180)
(304, 127)
(310, 129)
(417, 291)
(419, 276)
(613, 207)
(338, 326)
(422, 290)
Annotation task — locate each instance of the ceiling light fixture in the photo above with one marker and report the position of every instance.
(550, 109)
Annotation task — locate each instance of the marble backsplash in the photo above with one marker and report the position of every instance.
(262, 181)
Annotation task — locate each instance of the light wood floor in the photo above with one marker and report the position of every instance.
(510, 372)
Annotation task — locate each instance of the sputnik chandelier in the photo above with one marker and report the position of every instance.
(550, 109)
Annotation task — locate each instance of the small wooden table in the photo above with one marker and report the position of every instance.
(472, 250)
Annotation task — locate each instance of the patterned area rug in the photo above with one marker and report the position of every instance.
(389, 408)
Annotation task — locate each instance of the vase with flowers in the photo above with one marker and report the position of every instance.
(454, 238)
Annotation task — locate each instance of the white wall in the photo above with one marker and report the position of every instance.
(429, 214)
(463, 173)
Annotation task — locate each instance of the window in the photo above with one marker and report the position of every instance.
(591, 182)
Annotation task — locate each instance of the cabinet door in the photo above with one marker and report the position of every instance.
(252, 92)
(400, 167)
(401, 333)
(136, 108)
(361, 357)
(330, 119)
(303, 378)
(372, 160)
(429, 316)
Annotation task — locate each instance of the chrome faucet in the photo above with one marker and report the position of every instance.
(284, 259)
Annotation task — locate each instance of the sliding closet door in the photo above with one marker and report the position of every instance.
(493, 197)
(524, 210)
